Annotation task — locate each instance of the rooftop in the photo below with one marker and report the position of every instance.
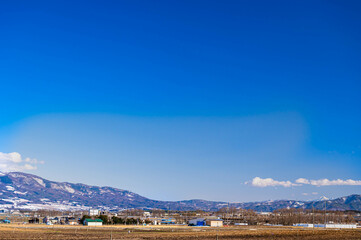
(93, 220)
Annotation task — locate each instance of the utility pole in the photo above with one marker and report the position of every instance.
(325, 213)
(227, 216)
(313, 219)
(217, 233)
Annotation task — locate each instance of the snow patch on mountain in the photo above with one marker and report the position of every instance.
(21, 193)
(62, 187)
(40, 181)
(10, 188)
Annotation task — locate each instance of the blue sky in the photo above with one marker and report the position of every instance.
(185, 99)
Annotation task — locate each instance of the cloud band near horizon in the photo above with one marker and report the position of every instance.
(14, 162)
(269, 182)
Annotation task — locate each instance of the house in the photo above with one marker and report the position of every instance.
(155, 220)
(72, 221)
(93, 222)
(51, 220)
(217, 222)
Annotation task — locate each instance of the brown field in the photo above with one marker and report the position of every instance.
(13, 231)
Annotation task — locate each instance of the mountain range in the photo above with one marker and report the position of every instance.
(26, 191)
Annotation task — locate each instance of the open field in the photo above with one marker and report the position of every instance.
(176, 233)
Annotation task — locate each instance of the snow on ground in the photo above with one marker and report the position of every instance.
(23, 204)
(15, 200)
(52, 206)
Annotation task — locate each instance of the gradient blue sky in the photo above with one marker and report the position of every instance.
(185, 99)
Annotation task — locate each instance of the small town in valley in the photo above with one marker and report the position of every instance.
(154, 224)
(222, 218)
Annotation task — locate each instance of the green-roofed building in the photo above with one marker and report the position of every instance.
(93, 222)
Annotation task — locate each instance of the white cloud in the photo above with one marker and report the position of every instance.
(14, 162)
(269, 182)
(307, 194)
(302, 181)
(33, 161)
(10, 157)
(337, 182)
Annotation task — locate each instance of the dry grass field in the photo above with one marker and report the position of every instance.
(176, 233)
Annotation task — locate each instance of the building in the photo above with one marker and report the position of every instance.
(72, 221)
(241, 224)
(310, 225)
(168, 221)
(34, 220)
(197, 222)
(341, 226)
(303, 225)
(94, 212)
(93, 222)
(264, 213)
(155, 220)
(214, 222)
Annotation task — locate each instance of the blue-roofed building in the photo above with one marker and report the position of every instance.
(197, 222)
(168, 221)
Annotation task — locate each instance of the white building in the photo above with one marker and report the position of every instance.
(93, 222)
(310, 225)
(303, 225)
(94, 212)
(341, 226)
(241, 224)
(146, 214)
(214, 222)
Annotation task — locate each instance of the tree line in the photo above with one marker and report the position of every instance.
(117, 220)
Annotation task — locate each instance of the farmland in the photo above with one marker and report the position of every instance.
(29, 231)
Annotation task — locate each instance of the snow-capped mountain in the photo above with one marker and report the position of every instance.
(324, 198)
(22, 190)
(27, 191)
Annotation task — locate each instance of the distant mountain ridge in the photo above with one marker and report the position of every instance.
(26, 191)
